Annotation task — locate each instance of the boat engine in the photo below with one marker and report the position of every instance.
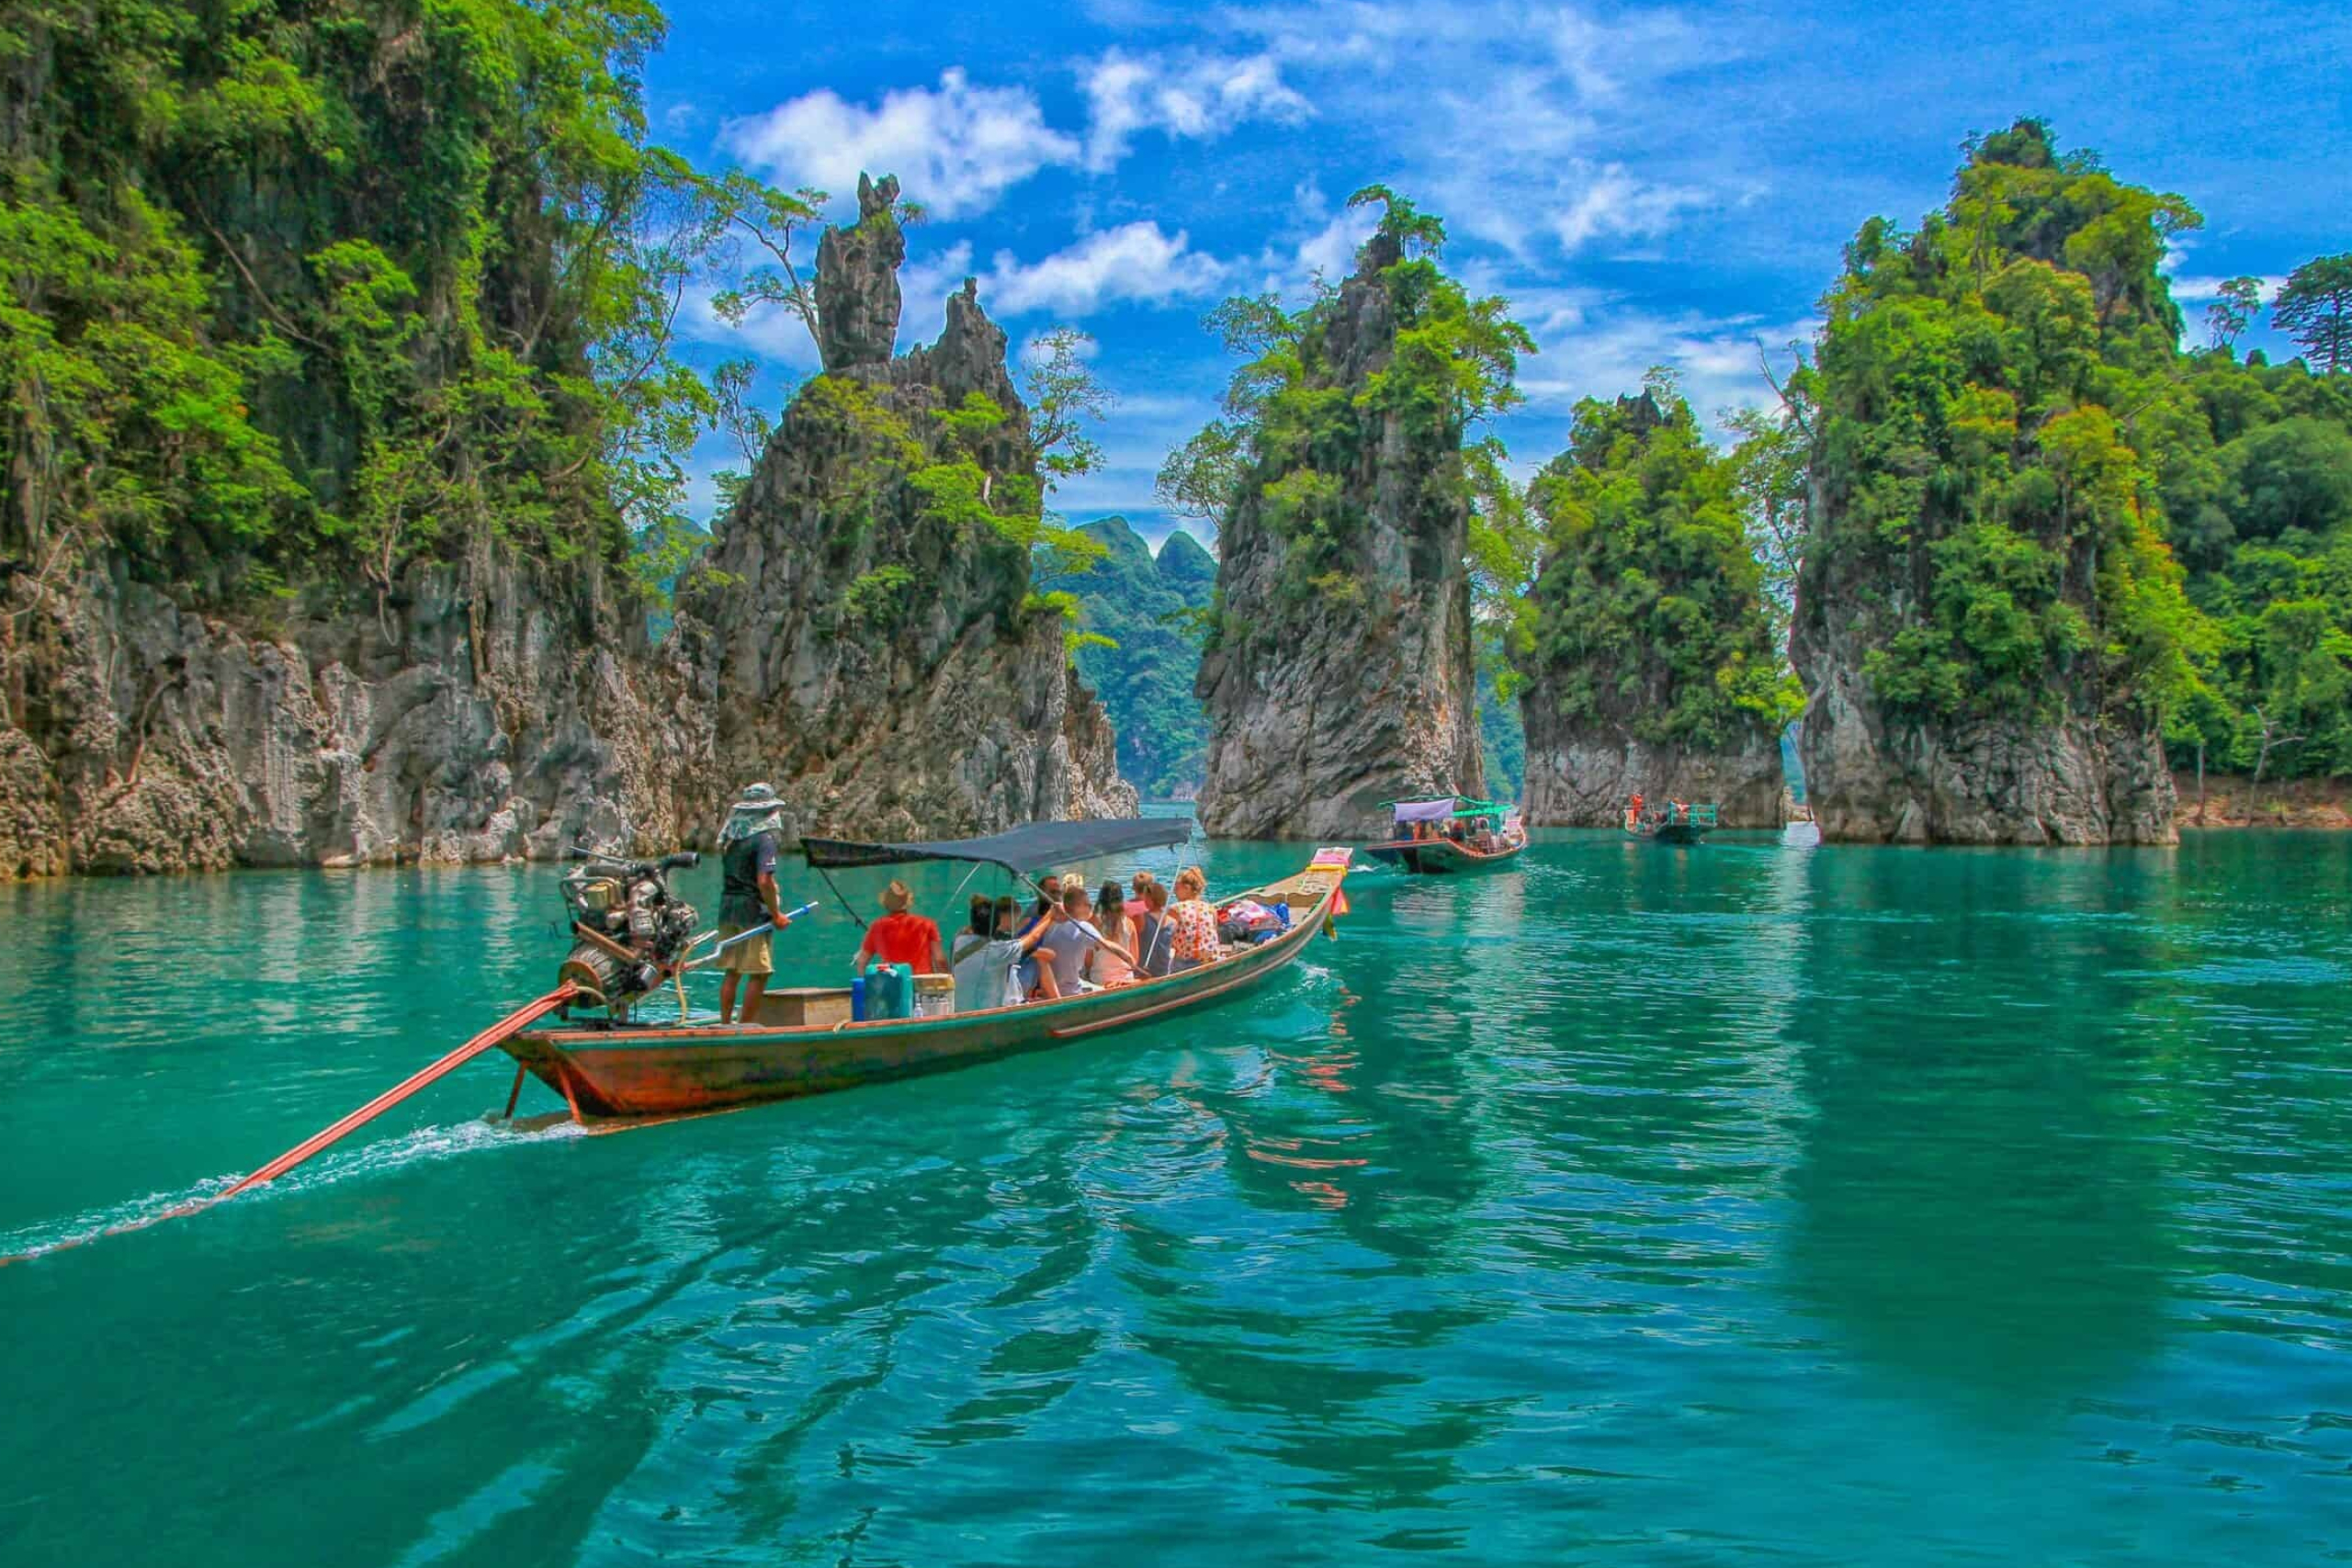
(629, 928)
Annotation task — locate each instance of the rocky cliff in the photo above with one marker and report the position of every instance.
(1648, 658)
(1339, 670)
(312, 544)
(1988, 622)
(864, 634)
(487, 713)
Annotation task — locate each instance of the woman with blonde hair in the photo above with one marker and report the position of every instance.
(1193, 923)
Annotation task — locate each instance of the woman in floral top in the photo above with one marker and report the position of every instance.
(1192, 922)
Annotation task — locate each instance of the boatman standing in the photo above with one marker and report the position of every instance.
(747, 849)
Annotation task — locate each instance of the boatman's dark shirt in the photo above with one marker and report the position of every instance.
(743, 863)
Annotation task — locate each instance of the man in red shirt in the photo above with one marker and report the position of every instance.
(901, 936)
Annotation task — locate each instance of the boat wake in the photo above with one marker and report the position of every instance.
(425, 1145)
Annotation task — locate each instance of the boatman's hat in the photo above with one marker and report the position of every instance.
(758, 797)
(757, 812)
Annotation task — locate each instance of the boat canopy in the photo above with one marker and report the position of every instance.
(1016, 849)
(1444, 807)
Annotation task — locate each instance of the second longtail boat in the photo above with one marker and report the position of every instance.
(1674, 822)
(1451, 833)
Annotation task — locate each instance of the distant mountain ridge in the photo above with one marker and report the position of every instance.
(1143, 604)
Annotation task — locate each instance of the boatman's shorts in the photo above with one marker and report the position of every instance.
(749, 956)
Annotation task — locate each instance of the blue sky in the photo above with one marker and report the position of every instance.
(1647, 184)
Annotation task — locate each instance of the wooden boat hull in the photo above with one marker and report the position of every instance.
(1440, 857)
(1671, 833)
(632, 1072)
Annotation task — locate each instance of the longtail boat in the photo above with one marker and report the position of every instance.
(1676, 822)
(806, 1042)
(1422, 841)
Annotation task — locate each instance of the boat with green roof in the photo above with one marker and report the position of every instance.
(1447, 834)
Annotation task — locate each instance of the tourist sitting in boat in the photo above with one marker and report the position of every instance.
(1112, 961)
(1193, 923)
(1155, 940)
(1071, 939)
(1136, 905)
(901, 936)
(986, 975)
(969, 942)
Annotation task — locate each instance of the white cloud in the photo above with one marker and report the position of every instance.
(1516, 122)
(954, 149)
(1609, 202)
(1139, 262)
(1599, 348)
(2197, 290)
(1331, 250)
(1193, 96)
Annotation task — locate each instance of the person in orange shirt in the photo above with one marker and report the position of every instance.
(901, 936)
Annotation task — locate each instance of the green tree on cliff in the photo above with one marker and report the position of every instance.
(1988, 412)
(1650, 614)
(1287, 427)
(2235, 304)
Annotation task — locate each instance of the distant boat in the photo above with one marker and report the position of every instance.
(1451, 833)
(1676, 822)
(806, 1042)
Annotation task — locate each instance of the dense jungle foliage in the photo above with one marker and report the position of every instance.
(1648, 617)
(1981, 420)
(1145, 617)
(2039, 499)
(298, 290)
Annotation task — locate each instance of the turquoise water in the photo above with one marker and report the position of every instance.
(1645, 1206)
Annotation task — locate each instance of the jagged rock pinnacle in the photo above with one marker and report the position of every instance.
(857, 279)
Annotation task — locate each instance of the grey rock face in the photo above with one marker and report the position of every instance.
(864, 651)
(1323, 705)
(486, 715)
(1577, 778)
(857, 280)
(2081, 781)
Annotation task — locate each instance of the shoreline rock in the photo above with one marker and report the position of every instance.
(468, 721)
(1576, 779)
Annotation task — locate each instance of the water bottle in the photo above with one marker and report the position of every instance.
(857, 999)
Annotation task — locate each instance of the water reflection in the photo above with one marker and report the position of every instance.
(1983, 1201)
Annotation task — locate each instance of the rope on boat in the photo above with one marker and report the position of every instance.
(849, 908)
(497, 1033)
